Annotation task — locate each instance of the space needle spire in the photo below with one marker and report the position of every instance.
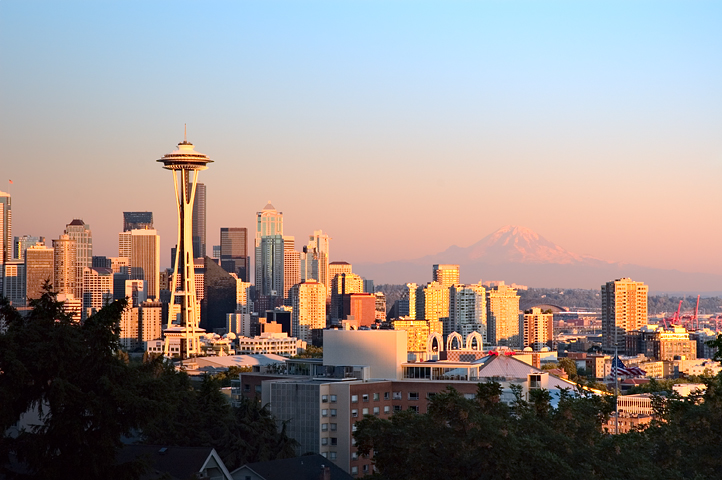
(184, 310)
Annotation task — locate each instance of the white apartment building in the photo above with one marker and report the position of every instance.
(270, 343)
(309, 309)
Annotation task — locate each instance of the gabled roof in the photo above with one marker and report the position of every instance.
(179, 462)
(503, 366)
(307, 467)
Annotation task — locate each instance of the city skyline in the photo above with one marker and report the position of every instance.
(471, 116)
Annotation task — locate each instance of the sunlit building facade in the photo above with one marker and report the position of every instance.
(624, 308)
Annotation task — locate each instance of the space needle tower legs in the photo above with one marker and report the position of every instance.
(184, 310)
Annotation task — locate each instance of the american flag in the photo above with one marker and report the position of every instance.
(619, 369)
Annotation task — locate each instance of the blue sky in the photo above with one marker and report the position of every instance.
(399, 127)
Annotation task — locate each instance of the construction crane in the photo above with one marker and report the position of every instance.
(674, 319)
(691, 322)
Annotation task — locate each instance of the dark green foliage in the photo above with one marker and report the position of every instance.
(88, 396)
(311, 352)
(484, 439)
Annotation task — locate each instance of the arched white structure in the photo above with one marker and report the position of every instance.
(434, 338)
(450, 341)
(479, 341)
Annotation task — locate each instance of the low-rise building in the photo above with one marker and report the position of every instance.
(270, 343)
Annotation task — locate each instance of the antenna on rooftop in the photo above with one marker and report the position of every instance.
(185, 132)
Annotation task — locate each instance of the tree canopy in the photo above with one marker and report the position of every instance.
(87, 397)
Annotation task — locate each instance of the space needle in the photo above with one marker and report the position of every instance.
(184, 311)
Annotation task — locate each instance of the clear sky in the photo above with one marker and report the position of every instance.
(398, 127)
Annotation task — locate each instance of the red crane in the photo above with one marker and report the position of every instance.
(674, 319)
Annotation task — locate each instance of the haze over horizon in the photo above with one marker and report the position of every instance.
(398, 128)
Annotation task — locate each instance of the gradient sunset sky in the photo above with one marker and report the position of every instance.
(398, 127)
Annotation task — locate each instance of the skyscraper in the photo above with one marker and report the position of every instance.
(467, 309)
(314, 260)
(343, 285)
(80, 232)
(65, 271)
(185, 163)
(137, 221)
(309, 309)
(145, 259)
(38, 269)
(269, 222)
(624, 308)
(446, 275)
(14, 284)
(291, 267)
(20, 244)
(234, 251)
(538, 329)
(502, 316)
(199, 221)
(97, 289)
(432, 303)
(271, 273)
(6, 227)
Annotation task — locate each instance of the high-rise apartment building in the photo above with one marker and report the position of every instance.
(502, 316)
(467, 309)
(407, 307)
(418, 331)
(6, 234)
(269, 222)
(65, 271)
(624, 308)
(432, 302)
(538, 329)
(380, 306)
(39, 268)
(80, 232)
(137, 221)
(97, 289)
(309, 309)
(199, 221)
(446, 275)
(291, 267)
(150, 321)
(145, 259)
(234, 251)
(124, 243)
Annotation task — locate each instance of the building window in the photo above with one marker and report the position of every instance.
(334, 441)
(246, 387)
(324, 441)
(324, 412)
(333, 412)
(354, 470)
(333, 398)
(354, 398)
(386, 395)
(324, 427)
(414, 408)
(366, 397)
(366, 468)
(397, 396)
(387, 409)
(430, 395)
(376, 397)
(332, 456)
(354, 456)
(376, 410)
(333, 427)
(324, 398)
(397, 408)
(413, 395)
(353, 427)
(365, 411)
(354, 413)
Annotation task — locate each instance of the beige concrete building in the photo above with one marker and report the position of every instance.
(538, 329)
(446, 275)
(150, 321)
(145, 259)
(291, 266)
(65, 270)
(39, 268)
(502, 316)
(432, 302)
(336, 268)
(467, 309)
(624, 308)
(309, 309)
(97, 289)
(270, 343)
